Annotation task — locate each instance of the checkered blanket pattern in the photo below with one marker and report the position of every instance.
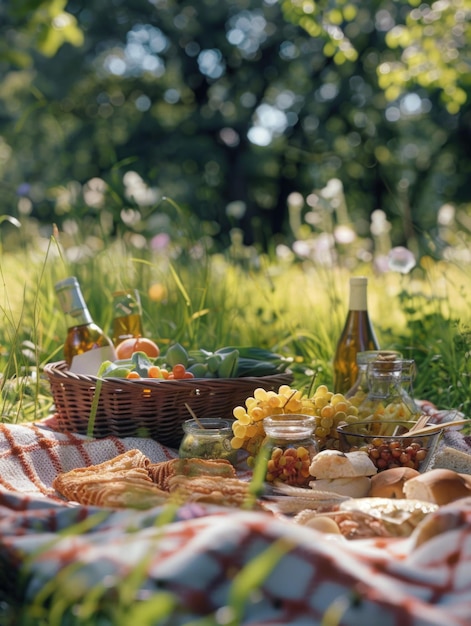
(197, 556)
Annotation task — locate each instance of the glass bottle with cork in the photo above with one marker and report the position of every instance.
(127, 315)
(387, 400)
(358, 392)
(357, 335)
(86, 345)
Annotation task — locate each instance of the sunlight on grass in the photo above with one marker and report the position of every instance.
(293, 306)
(281, 300)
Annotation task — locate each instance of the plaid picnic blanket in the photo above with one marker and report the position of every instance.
(295, 574)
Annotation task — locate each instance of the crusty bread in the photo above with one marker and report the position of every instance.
(232, 492)
(390, 482)
(440, 486)
(329, 464)
(445, 519)
(160, 473)
(353, 487)
(450, 458)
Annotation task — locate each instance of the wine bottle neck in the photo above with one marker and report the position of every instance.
(358, 295)
(72, 303)
(79, 318)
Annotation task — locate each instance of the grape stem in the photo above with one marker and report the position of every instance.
(287, 401)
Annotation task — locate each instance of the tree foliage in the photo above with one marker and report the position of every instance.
(433, 40)
(229, 108)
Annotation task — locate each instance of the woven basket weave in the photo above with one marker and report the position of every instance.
(147, 407)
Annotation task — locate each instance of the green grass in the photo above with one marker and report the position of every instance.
(296, 308)
(209, 300)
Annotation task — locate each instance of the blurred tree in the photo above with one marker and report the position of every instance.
(229, 107)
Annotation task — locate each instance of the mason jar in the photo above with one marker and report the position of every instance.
(207, 438)
(290, 445)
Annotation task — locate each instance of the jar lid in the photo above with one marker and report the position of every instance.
(212, 427)
(367, 356)
(385, 366)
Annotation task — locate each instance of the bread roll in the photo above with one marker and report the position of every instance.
(447, 518)
(440, 486)
(322, 523)
(450, 458)
(390, 482)
(433, 525)
(357, 487)
(335, 464)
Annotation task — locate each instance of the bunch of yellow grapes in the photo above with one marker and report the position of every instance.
(329, 410)
(248, 425)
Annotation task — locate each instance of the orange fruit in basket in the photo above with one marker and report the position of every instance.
(127, 347)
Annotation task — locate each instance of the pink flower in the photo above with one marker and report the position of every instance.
(160, 242)
(401, 260)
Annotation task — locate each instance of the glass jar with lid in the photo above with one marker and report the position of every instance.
(387, 399)
(291, 446)
(359, 390)
(207, 438)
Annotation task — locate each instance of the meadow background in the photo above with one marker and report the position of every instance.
(288, 299)
(236, 162)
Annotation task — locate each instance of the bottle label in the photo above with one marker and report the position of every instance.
(89, 362)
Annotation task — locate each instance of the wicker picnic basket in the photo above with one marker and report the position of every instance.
(146, 407)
